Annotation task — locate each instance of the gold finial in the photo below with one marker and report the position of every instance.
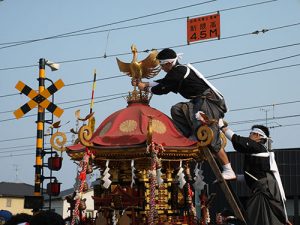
(147, 68)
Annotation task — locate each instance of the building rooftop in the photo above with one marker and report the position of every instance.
(16, 189)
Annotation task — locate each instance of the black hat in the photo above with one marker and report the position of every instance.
(166, 53)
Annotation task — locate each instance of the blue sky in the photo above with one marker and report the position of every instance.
(263, 87)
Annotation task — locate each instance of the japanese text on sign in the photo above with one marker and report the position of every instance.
(204, 27)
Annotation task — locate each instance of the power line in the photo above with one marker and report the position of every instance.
(77, 100)
(247, 53)
(257, 71)
(262, 106)
(239, 130)
(79, 32)
(15, 139)
(71, 107)
(22, 138)
(232, 123)
(207, 77)
(113, 23)
(20, 146)
(123, 94)
(19, 150)
(6, 156)
(72, 84)
(120, 54)
(196, 62)
(264, 119)
(254, 65)
(273, 127)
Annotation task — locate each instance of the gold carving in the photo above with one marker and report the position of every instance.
(146, 68)
(223, 140)
(58, 140)
(149, 131)
(128, 126)
(85, 134)
(205, 136)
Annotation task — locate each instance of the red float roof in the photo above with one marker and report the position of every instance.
(128, 127)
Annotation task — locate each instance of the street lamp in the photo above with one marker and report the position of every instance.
(54, 66)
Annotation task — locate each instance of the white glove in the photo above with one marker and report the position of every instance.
(221, 123)
(198, 115)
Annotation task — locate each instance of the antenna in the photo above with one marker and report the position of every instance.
(17, 172)
(266, 111)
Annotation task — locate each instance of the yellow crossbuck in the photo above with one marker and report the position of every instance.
(39, 99)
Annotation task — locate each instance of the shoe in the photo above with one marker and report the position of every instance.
(228, 175)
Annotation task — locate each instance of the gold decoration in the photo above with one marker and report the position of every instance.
(77, 115)
(56, 141)
(92, 122)
(128, 126)
(159, 127)
(55, 125)
(146, 68)
(223, 140)
(205, 136)
(85, 134)
(149, 131)
(138, 96)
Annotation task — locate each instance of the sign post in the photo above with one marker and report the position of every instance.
(202, 28)
(39, 99)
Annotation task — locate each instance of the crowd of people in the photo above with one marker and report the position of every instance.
(38, 218)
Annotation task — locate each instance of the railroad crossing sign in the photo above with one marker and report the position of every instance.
(39, 99)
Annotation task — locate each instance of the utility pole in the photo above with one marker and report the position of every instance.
(266, 111)
(17, 172)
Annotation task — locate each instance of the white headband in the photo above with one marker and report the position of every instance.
(260, 132)
(173, 61)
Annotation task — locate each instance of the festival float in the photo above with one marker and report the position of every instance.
(144, 161)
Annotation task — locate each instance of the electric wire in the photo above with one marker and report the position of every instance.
(79, 32)
(121, 54)
(238, 130)
(113, 23)
(123, 93)
(257, 71)
(71, 107)
(213, 77)
(254, 65)
(195, 62)
(232, 123)
(77, 100)
(272, 127)
(264, 119)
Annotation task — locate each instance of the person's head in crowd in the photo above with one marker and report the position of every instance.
(20, 218)
(5, 216)
(47, 218)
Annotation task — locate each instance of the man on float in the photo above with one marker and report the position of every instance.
(203, 98)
